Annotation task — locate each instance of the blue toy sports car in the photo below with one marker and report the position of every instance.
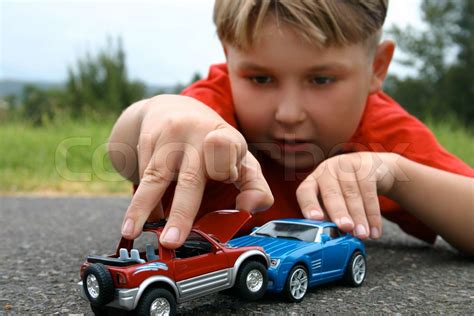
(305, 253)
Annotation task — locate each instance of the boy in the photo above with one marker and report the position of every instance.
(294, 124)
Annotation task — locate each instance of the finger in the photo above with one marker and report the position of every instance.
(144, 153)
(307, 197)
(353, 198)
(368, 188)
(255, 194)
(223, 148)
(326, 215)
(333, 200)
(186, 201)
(155, 181)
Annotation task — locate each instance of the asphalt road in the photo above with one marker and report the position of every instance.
(43, 241)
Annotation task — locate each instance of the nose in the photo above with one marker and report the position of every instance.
(290, 110)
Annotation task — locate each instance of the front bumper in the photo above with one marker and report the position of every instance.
(272, 281)
(277, 277)
(123, 299)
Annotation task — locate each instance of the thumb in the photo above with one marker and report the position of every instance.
(255, 194)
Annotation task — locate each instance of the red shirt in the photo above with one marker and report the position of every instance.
(385, 127)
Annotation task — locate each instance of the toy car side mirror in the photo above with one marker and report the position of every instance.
(325, 238)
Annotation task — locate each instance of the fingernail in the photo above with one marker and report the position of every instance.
(171, 235)
(360, 230)
(344, 221)
(316, 214)
(374, 233)
(127, 228)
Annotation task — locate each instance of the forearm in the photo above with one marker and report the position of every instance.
(443, 201)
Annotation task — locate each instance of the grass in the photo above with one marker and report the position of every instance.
(457, 140)
(63, 157)
(69, 157)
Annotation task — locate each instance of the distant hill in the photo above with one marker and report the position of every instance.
(9, 87)
(15, 87)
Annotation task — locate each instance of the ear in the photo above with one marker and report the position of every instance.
(382, 58)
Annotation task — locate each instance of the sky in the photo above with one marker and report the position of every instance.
(166, 41)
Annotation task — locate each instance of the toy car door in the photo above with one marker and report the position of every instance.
(200, 267)
(334, 252)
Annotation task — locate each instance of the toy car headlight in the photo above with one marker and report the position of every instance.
(274, 262)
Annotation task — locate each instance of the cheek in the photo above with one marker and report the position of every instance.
(253, 110)
(338, 115)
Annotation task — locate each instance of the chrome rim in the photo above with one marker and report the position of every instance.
(92, 286)
(160, 306)
(298, 283)
(254, 280)
(358, 269)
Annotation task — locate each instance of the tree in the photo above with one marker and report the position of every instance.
(39, 105)
(443, 58)
(460, 77)
(100, 83)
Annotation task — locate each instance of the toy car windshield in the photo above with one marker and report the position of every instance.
(288, 230)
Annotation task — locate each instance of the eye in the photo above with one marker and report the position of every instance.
(318, 80)
(261, 79)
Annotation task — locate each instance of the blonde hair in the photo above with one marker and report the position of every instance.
(322, 22)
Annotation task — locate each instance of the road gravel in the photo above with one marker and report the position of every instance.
(45, 240)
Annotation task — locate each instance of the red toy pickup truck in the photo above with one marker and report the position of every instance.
(150, 279)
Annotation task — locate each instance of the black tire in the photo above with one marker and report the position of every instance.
(257, 276)
(150, 296)
(98, 273)
(296, 284)
(356, 270)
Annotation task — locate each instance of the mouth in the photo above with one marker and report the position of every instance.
(292, 141)
(293, 145)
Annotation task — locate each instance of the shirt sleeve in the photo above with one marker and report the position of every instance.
(387, 127)
(215, 92)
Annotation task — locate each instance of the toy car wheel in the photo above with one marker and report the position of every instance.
(355, 273)
(296, 284)
(252, 280)
(98, 284)
(157, 302)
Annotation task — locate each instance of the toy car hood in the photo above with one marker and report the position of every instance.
(275, 247)
(223, 224)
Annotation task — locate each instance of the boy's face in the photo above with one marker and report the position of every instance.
(294, 101)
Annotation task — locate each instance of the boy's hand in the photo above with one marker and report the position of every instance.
(348, 187)
(182, 139)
